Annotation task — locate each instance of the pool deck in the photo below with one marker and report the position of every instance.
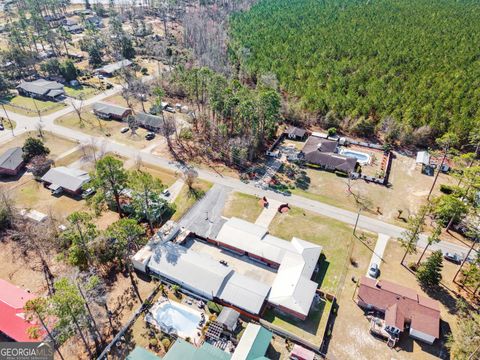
(195, 336)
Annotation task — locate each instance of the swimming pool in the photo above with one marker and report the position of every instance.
(172, 317)
(361, 157)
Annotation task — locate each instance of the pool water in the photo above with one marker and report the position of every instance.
(360, 156)
(174, 317)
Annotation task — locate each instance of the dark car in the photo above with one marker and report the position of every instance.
(455, 258)
(374, 271)
(1, 127)
(150, 136)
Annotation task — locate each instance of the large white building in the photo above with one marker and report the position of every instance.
(292, 290)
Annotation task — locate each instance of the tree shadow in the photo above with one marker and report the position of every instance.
(446, 296)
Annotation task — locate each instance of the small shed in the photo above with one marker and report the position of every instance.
(423, 157)
(228, 318)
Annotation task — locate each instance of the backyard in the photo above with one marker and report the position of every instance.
(81, 91)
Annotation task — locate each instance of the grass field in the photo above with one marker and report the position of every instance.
(243, 206)
(334, 236)
(31, 105)
(186, 199)
(81, 91)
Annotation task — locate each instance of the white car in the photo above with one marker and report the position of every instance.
(374, 271)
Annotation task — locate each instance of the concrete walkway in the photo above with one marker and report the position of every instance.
(377, 255)
(175, 189)
(268, 213)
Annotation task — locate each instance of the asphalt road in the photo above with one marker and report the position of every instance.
(25, 123)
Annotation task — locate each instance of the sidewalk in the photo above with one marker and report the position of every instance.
(268, 213)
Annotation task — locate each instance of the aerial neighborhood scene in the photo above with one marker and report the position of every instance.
(239, 179)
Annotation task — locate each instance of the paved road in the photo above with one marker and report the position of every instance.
(25, 123)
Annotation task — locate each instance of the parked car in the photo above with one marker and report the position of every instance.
(124, 130)
(455, 258)
(1, 127)
(87, 193)
(150, 136)
(166, 193)
(374, 271)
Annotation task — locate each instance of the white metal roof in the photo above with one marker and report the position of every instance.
(185, 266)
(245, 293)
(423, 157)
(292, 287)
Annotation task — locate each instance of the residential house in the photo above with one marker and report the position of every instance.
(323, 153)
(11, 161)
(403, 308)
(295, 133)
(66, 179)
(42, 89)
(150, 122)
(111, 69)
(110, 111)
(72, 27)
(13, 321)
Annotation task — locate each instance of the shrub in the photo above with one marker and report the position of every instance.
(166, 343)
(412, 266)
(214, 307)
(446, 189)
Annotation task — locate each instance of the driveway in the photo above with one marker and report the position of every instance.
(377, 256)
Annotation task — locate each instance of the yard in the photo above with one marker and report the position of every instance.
(334, 236)
(312, 329)
(56, 144)
(28, 106)
(243, 206)
(81, 91)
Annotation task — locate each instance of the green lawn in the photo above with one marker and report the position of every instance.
(85, 91)
(243, 206)
(334, 236)
(312, 329)
(186, 199)
(28, 106)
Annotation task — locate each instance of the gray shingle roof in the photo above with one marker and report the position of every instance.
(322, 152)
(42, 87)
(295, 131)
(149, 120)
(67, 178)
(11, 158)
(109, 109)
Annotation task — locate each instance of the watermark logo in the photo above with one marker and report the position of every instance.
(26, 351)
